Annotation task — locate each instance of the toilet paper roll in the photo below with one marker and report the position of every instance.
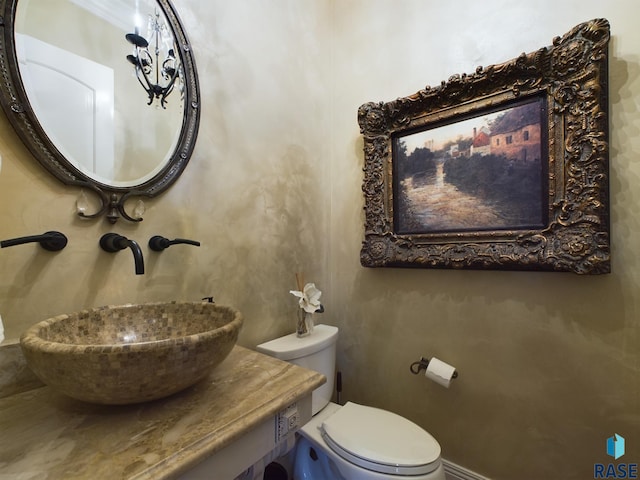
(440, 372)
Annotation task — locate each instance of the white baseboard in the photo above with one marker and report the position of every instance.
(456, 472)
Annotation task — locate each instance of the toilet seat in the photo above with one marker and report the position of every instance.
(380, 441)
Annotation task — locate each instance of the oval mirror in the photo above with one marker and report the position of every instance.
(104, 94)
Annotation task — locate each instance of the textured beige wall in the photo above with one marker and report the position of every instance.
(549, 363)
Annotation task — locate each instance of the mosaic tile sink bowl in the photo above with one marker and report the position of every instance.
(131, 353)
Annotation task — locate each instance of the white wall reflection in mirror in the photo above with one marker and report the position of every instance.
(72, 59)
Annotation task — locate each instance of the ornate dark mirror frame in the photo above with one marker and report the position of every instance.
(13, 99)
(571, 77)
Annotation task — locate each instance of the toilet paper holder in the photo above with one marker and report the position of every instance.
(421, 366)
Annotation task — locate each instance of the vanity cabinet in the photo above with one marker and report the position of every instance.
(248, 406)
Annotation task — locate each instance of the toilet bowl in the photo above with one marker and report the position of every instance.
(351, 442)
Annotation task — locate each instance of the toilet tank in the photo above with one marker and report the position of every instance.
(316, 352)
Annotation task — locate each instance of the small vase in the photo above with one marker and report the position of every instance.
(304, 325)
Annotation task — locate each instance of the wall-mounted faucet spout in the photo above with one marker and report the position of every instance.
(112, 242)
(52, 241)
(158, 243)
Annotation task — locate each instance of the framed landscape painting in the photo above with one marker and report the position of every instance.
(506, 168)
(484, 173)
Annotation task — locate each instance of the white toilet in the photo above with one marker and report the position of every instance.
(352, 442)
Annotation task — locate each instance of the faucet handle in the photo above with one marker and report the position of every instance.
(158, 243)
(52, 241)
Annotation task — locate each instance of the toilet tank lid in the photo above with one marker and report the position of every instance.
(291, 346)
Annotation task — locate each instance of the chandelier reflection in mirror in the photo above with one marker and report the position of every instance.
(160, 71)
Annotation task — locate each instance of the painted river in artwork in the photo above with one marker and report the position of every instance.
(432, 204)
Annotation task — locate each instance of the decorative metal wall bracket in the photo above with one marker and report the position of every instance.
(111, 205)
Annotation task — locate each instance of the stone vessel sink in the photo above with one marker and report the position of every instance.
(131, 353)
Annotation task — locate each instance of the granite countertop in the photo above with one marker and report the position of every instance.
(46, 435)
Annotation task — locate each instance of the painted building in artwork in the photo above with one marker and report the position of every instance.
(516, 134)
(481, 144)
(522, 144)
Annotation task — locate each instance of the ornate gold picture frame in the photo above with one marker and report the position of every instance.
(506, 168)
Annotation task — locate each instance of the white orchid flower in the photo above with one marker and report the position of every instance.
(309, 298)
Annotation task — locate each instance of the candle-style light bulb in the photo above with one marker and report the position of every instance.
(82, 203)
(139, 209)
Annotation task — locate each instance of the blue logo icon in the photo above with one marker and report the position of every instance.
(615, 446)
(615, 449)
